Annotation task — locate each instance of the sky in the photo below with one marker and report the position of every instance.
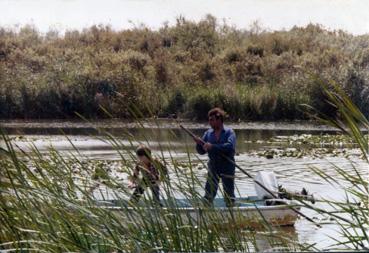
(348, 15)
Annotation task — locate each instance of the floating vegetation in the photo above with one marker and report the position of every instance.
(310, 140)
(303, 152)
(321, 141)
(308, 145)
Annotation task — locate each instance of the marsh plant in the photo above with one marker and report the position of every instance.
(352, 213)
(49, 202)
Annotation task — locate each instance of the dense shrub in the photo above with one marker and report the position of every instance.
(182, 69)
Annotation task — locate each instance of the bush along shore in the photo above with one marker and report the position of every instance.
(184, 69)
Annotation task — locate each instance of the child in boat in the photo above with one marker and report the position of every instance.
(152, 171)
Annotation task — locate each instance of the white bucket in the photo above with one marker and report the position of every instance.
(269, 180)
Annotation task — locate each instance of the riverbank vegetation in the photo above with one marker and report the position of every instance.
(183, 69)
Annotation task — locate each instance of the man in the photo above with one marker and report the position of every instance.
(153, 172)
(220, 143)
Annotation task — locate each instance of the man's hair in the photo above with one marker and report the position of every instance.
(143, 150)
(218, 113)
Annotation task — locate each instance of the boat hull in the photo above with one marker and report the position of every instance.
(244, 215)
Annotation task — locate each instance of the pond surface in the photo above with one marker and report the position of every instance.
(254, 140)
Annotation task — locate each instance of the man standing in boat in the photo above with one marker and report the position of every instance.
(219, 142)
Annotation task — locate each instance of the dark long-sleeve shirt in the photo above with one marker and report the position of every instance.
(224, 146)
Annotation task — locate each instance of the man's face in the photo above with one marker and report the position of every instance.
(215, 122)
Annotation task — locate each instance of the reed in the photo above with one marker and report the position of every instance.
(352, 213)
(48, 203)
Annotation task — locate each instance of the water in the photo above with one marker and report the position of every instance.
(293, 173)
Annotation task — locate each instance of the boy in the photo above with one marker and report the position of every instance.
(152, 171)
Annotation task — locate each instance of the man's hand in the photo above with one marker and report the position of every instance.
(198, 140)
(207, 146)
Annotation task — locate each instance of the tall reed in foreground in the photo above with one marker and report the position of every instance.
(48, 204)
(351, 214)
